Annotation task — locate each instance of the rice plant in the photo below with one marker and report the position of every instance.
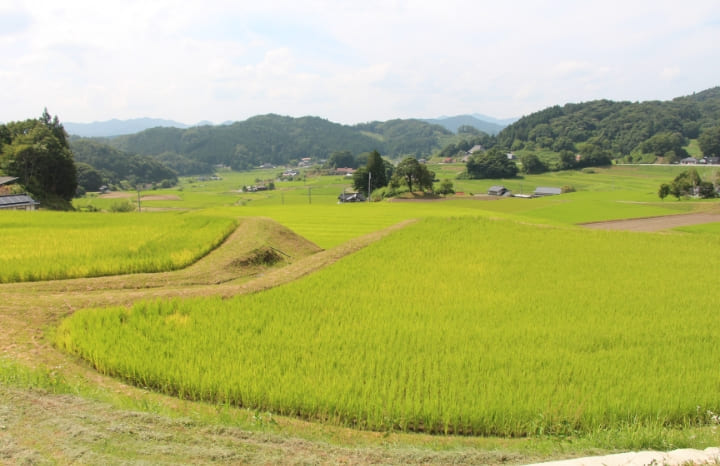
(461, 324)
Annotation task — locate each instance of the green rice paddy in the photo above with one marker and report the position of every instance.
(463, 325)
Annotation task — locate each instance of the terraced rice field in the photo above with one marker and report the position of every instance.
(515, 330)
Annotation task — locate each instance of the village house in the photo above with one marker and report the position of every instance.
(545, 191)
(344, 171)
(351, 197)
(5, 182)
(497, 191)
(17, 202)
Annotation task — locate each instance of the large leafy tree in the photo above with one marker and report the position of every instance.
(342, 159)
(39, 155)
(414, 174)
(372, 176)
(376, 167)
(491, 164)
(531, 164)
(709, 142)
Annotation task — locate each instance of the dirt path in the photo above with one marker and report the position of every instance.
(650, 224)
(686, 456)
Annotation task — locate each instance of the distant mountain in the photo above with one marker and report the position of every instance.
(117, 127)
(483, 124)
(499, 121)
(280, 140)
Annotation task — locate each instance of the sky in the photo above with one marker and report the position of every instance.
(346, 61)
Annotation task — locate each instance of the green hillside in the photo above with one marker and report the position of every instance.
(280, 140)
(623, 128)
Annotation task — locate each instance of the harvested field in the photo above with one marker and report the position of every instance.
(665, 222)
(160, 198)
(116, 195)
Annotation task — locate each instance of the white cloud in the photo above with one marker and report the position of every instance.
(347, 61)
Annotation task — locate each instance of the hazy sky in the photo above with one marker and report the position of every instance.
(347, 61)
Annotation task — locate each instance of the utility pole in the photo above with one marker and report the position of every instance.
(309, 195)
(138, 197)
(369, 185)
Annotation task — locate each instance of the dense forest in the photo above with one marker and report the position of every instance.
(574, 135)
(100, 164)
(631, 131)
(622, 128)
(279, 140)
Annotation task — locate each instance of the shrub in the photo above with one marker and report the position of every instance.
(122, 206)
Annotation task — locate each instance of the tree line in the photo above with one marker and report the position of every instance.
(279, 140)
(623, 129)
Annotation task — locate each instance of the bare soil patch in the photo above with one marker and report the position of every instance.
(475, 197)
(168, 197)
(650, 224)
(115, 195)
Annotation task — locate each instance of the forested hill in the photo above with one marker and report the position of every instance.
(619, 127)
(280, 139)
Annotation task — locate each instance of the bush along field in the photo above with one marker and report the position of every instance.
(466, 325)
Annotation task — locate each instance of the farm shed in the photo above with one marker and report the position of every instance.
(544, 191)
(18, 202)
(497, 190)
(351, 197)
(7, 180)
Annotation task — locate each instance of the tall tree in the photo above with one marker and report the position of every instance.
(413, 173)
(39, 155)
(531, 164)
(709, 142)
(372, 176)
(491, 164)
(376, 168)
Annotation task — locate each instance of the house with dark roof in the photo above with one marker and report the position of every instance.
(689, 161)
(545, 191)
(7, 180)
(497, 190)
(18, 202)
(351, 197)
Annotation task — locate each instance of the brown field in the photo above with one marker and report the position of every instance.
(115, 195)
(160, 198)
(650, 224)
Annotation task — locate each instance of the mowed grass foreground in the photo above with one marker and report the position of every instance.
(60, 245)
(463, 325)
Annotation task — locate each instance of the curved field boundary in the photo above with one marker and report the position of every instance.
(28, 308)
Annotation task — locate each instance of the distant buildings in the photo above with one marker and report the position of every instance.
(545, 191)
